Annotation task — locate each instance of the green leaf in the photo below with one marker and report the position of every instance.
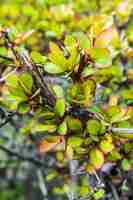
(62, 128)
(128, 147)
(88, 88)
(125, 165)
(94, 109)
(123, 115)
(56, 56)
(17, 93)
(93, 127)
(88, 71)
(129, 31)
(52, 68)
(14, 87)
(84, 41)
(106, 146)
(60, 107)
(124, 124)
(70, 40)
(75, 141)
(73, 58)
(96, 158)
(101, 57)
(99, 194)
(58, 91)
(12, 80)
(26, 79)
(44, 128)
(114, 155)
(74, 124)
(113, 111)
(84, 190)
(74, 91)
(23, 108)
(51, 175)
(38, 58)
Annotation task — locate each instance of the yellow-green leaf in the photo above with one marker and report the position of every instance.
(106, 146)
(26, 80)
(44, 128)
(96, 158)
(60, 107)
(93, 127)
(52, 68)
(75, 141)
(62, 128)
(101, 56)
(74, 124)
(56, 56)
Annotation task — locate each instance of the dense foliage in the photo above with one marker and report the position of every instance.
(66, 99)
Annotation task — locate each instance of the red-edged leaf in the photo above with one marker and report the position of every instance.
(48, 144)
(23, 36)
(107, 37)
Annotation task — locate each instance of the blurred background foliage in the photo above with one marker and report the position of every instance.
(98, 158)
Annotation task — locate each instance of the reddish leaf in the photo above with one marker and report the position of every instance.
(21, 37)
(47, 145)
(107, 37)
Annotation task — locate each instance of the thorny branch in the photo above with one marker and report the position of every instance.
(50, 100)
(12, 153)
(27, 62)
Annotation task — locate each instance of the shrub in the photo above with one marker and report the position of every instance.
(66, 79)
